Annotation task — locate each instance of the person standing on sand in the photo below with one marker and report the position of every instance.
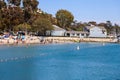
(8, 41)
(1, 39)
(23, 38)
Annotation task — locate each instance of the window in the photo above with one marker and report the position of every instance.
(82, 34)
(68, 34)
(78, 34)
(73, 34)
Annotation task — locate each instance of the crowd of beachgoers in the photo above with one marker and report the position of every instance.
(26, 39)
(19, 38)
(15, 40)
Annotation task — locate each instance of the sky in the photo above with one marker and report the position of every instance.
(85, 10)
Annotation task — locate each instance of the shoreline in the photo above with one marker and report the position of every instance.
(75, 39)
(49, 40)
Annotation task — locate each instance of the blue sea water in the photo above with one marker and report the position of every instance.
(93, 61)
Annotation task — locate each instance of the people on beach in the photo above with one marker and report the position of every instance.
(22, 38)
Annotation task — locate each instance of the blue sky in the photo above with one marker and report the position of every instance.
(85, 10)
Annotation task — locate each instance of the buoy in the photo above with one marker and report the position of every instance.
(78, 47)
(103, 44)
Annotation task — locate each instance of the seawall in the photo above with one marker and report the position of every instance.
(75, 39)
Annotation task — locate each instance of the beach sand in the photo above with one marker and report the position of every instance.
(47, 40)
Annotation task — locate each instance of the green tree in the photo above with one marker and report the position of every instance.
(13, 14)
(27, 16)
(48, 16)
(14, 2)
(2, 4)
(116, 29)
(109, 27)
(30, 4)
(109, 24)
(30, 10)
(102, 24)
(11, 17)
(92, 23)
(64, 18)
(1, 27)
(41, 25)
(77, 26)
(22, 27)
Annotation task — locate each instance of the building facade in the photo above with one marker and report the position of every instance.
(81, 34)
(57, 31)
(96, 31)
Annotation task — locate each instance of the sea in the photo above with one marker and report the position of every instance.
(68, 61)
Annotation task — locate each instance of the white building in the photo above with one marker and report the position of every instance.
(96, 31)
(57, 31)
(81, 34)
